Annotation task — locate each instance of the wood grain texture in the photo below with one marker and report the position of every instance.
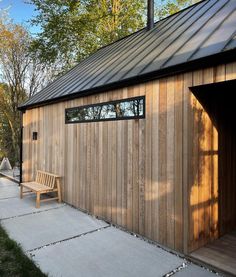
(154, 176)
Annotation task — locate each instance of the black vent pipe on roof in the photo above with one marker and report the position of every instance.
(150, 14)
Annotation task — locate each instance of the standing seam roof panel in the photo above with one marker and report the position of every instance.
(183, 34)
(146, 47)
(81, 67)
(91, 79)
(223, 30)
(192, 46)
(59, 84)
(202, 30)
(127, 61)
(157, 47)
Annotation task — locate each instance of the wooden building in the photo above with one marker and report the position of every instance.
(143, 131)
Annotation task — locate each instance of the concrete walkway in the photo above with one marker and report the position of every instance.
(66, 242)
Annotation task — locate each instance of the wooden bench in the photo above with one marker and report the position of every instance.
(45, 182)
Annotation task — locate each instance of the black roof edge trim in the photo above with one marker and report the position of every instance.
(205, 62)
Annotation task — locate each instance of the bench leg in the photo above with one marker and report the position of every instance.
(59, 190)
(37, 200)
(21, 192)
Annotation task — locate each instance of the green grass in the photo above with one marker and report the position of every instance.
(13, 262)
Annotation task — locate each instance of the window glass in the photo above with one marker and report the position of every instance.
(115, 110)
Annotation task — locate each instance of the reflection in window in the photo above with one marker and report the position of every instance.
(115, 110)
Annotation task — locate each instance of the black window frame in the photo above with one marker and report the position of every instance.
(107, 103)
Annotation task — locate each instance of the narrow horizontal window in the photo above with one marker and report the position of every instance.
(132, 108)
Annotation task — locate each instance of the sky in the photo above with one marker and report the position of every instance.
(20, 12)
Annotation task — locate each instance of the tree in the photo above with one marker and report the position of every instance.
(21, 76)
(9, 123)
(72, 30)
(168, 7)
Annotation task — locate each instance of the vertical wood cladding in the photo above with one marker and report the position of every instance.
(154, 176)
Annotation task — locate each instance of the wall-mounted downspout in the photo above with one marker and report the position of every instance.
(21, 145)
(150, 14)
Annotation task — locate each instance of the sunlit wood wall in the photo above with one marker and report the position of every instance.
(154, 176)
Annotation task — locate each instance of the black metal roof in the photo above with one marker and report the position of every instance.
(202, 30)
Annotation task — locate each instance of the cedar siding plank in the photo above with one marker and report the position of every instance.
(178, 164)
(170, 145)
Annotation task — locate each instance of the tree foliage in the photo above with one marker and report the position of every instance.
(12, 92)
(71, 30)
(9, 123)
(21, 76)
(168, 7)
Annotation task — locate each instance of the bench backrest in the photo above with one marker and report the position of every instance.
(46, 179)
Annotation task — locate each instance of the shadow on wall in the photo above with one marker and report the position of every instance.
(218, 103)
(203, 175)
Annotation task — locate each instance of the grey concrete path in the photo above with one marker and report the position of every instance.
(55, 225)
(13, 207)
(6, 183)
(66, 242)
(194, 271)
(8, 189)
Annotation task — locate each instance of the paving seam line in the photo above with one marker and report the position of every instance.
(67, 239)
(187, 263)
(177, 269)
(37, 212)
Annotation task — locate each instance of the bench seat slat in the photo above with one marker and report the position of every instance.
(36, 186)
